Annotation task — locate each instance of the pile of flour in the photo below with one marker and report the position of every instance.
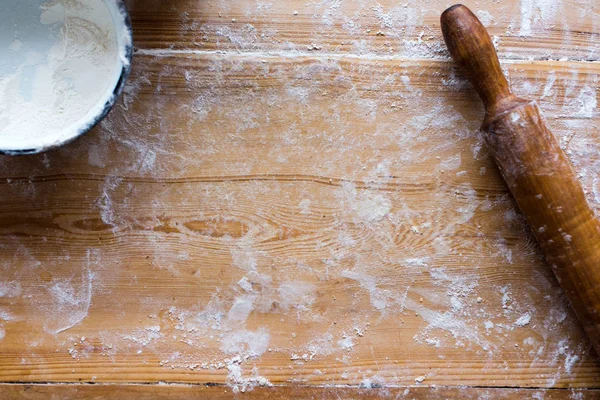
(49, 95)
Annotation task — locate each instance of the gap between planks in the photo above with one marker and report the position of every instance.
(286, 386)
(178, 391)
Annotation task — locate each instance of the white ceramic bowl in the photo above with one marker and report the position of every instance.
(63, 64)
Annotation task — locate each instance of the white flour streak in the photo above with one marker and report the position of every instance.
(10, 289)
(364, 205)
(506, 300)
(304, 206)
(4, 317)
(549, 85)
(296, 294)
(72, 303)
(245, 284)
(405, 16)
(346, 343)
(586, 102)
(452, 163)
(297, 54)
(596, 190)
(523, 320)
(526, 15)
(570, 361)
(373, 208)
(331, 7)
(485, 17)
(105, 202)
(251, 343)
(570, 357)
(380, 298)
(447, 321)
(537, 11)
(244, 257)
(241, 308)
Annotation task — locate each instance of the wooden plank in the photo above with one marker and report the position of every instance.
(171, 392)
(524, 29)
(324, 221)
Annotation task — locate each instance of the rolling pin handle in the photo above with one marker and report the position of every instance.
(473, 50)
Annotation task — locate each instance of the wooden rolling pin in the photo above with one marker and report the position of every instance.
(537, 172)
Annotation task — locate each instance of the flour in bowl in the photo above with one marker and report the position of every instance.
(59, 69)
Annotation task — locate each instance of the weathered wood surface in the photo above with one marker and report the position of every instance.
(526, 29)
(326, 219)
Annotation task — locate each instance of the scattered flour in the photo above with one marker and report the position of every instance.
(232, 320)
(145, 336)
(571, 358)
(346, 343)
(506, 300)
(239, 383)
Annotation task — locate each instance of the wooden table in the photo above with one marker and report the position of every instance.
(292, 199)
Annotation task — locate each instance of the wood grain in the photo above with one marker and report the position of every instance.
(249, 178)
(312, 219)
(523, 29)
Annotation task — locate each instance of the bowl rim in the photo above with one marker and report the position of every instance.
(110, 103)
